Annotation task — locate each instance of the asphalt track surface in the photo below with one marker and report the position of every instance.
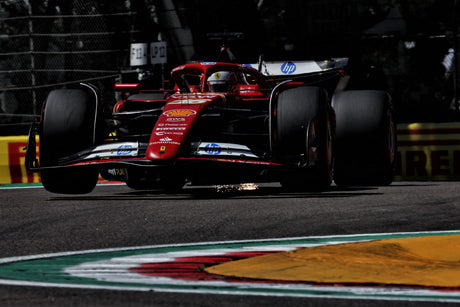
(34, 221)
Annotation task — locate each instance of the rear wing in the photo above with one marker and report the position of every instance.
(278, 68)
(295, 68)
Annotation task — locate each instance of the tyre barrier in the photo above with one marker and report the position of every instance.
(426, 152)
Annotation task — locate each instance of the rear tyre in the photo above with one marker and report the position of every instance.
(68, 126)
(365, 144)
(302, 137)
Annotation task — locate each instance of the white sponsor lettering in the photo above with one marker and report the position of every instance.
(227, 149)
(162, 143)
(171, 128)
(161, 133)
(189, 101)
(175, 119)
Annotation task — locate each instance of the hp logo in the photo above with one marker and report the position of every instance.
(213, 149)
(288, 68)
(124, 150)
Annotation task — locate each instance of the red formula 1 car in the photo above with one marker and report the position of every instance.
(291, 122)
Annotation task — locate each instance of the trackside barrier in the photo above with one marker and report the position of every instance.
(426, 152)
(12, 158)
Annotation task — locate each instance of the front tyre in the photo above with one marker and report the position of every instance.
(68, 126)
(303, 131)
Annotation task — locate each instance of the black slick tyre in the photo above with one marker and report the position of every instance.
(365, 143)
(68, 126)
(303, 131)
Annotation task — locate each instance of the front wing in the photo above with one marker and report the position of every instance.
(132, 154)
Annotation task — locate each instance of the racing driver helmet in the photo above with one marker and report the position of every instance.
(222, 81)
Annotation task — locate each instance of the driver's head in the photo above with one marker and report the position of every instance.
(222, 81)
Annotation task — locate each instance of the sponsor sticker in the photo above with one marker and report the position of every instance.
(227, 149)
(189, 101)
(213, 149)
(117, 172)
(113, 150)
(171, 128)
(288, 68)
(124, 150)
(179, 112)
(164, 142)
(176, 125)
(175, 119)
(161, 133)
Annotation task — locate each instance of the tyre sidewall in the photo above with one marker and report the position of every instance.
(364, 131)
(295, 110)
(68, 126)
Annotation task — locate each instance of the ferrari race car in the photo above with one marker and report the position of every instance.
(222, 123)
